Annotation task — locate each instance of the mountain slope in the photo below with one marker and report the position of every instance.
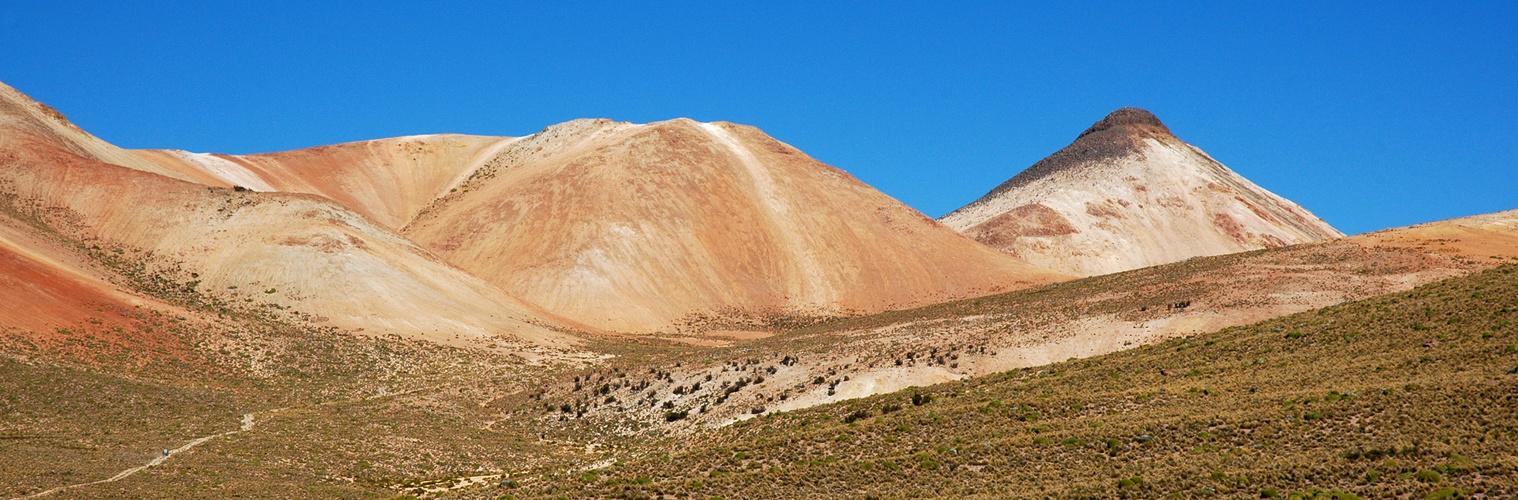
(1129, 194)
(644, 228)
(1399, 396)
(297, 253)
(386, 180)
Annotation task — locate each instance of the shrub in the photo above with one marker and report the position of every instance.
(1460, 464)
(676, 415)
(1429, 476)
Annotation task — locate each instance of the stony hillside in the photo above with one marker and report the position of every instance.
(1129, 194)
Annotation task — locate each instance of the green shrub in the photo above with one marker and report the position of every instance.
(1429, 476)
(1460, 464)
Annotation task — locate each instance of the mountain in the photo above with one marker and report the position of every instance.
(386, 180)
(589, 225)
(661, 226)
(1128, 194)
(144, 227)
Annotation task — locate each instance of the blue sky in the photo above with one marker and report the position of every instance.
(1371, 115)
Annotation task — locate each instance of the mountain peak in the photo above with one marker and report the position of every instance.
(1128, 194)
(1129, 117)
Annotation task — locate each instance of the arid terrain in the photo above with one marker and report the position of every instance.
(697, 310)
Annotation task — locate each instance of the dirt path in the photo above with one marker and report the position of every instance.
(247, 424)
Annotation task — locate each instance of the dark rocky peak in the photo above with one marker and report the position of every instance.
(1133, 118)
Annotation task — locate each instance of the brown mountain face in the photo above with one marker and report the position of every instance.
(151, 225)
(1129, 194)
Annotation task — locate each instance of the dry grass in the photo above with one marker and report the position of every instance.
(1393, 396)
(1233, 413)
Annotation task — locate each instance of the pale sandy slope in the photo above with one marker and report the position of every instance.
(1129, 194)
(317, 257)
(643, 228)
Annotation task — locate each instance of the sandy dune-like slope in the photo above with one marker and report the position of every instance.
(642, 228)
(300, 252)
(1129, 194)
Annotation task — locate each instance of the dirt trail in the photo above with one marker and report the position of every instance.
(247, 425)
(248, 422)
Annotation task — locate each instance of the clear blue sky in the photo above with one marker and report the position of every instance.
(1372, 115)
